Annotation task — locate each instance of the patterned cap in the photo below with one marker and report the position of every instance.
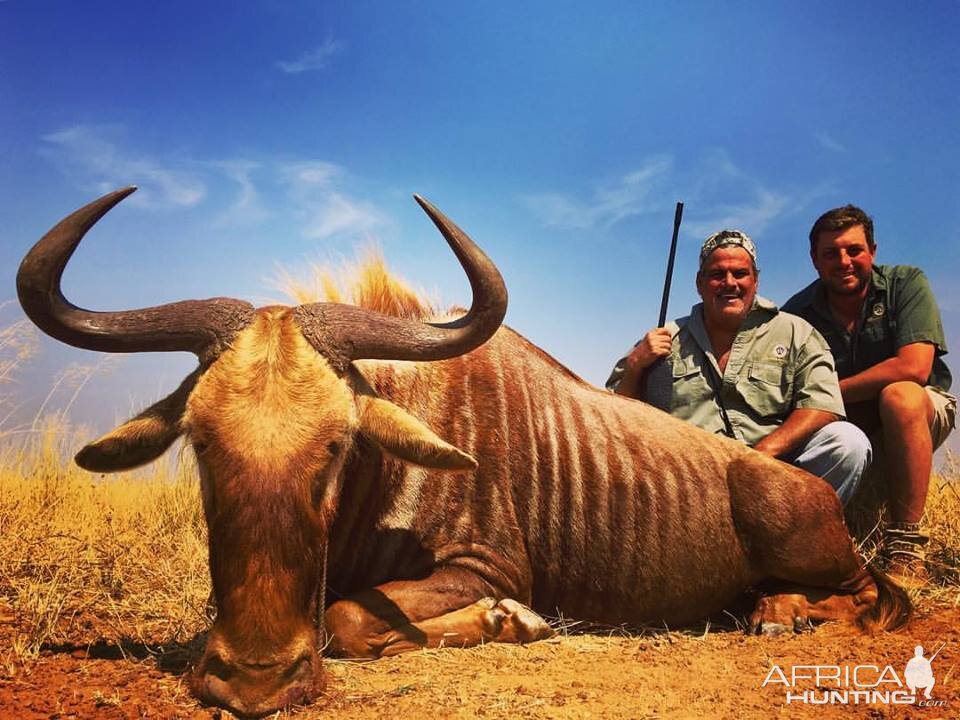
(728, 238)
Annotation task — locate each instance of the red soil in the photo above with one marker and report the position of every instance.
(674, 675)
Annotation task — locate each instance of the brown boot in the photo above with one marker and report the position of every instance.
(904, 555)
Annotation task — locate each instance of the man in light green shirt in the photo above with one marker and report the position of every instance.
(738, 366)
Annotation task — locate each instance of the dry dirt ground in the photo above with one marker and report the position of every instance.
(709, 672)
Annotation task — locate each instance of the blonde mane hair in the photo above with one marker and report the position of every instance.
(366, 282)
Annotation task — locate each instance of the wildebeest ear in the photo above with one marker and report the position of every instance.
(141, 439)
(402, 435)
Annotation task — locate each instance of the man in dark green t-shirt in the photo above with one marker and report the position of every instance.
(883, 327)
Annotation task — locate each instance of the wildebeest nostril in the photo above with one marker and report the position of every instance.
(215, 666)
(301, 667)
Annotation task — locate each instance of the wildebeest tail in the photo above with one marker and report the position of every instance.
(893, 608)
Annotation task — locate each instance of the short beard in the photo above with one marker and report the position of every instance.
(855, 290)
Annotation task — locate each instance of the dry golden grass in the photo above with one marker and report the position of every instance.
(941, 522)
(87, 559)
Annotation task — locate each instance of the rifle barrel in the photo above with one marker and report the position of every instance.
(677, 217)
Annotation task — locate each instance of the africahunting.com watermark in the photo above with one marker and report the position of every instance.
(866, 684)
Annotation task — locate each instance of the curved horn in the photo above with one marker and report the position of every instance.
(197, 326)
(344, 332)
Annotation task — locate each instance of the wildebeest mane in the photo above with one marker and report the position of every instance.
(369, 283)
(366, 282)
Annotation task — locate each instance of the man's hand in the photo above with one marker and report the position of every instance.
(654, 345)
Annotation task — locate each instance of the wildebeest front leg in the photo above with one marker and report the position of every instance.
(486, 620)
(450, 608)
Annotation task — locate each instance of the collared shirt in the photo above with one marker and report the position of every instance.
(899, 309)
(778, 363)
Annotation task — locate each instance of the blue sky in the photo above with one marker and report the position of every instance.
(559, 135)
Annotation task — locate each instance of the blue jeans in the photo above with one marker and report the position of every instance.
(839, 453)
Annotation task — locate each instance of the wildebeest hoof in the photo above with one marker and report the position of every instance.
(774, 629)
(511, 621)
(779, 614)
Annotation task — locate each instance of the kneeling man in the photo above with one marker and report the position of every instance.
(738, 366)
(884, 328)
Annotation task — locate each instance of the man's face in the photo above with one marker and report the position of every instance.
(844, 260)
(727, 283)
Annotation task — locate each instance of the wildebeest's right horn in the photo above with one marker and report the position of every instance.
(349, 333)
(198, 326)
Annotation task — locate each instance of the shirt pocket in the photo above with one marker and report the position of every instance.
(768, 389)
(690, 389)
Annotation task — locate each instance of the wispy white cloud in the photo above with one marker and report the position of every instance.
(717, 192)
(317, 194)
(556, 210)
(336, 214)
(247, 208)
(632, 194)
(315, 59)
(308, 176)
(724, 196)
(829, 142)
(324, 207)
(752, 216)
(96, 159)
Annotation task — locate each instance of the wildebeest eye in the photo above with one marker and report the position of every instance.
(333, 447)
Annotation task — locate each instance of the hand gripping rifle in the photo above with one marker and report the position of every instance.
(642, 388)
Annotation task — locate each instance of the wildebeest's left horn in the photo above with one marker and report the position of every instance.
(348, 333)
(198, 326)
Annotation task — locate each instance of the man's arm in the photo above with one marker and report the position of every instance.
(795, 430)
(629, 384)
(816, 396)
(912, 362)
(919, 332)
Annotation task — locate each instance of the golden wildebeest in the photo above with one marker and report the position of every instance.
(314, 429)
